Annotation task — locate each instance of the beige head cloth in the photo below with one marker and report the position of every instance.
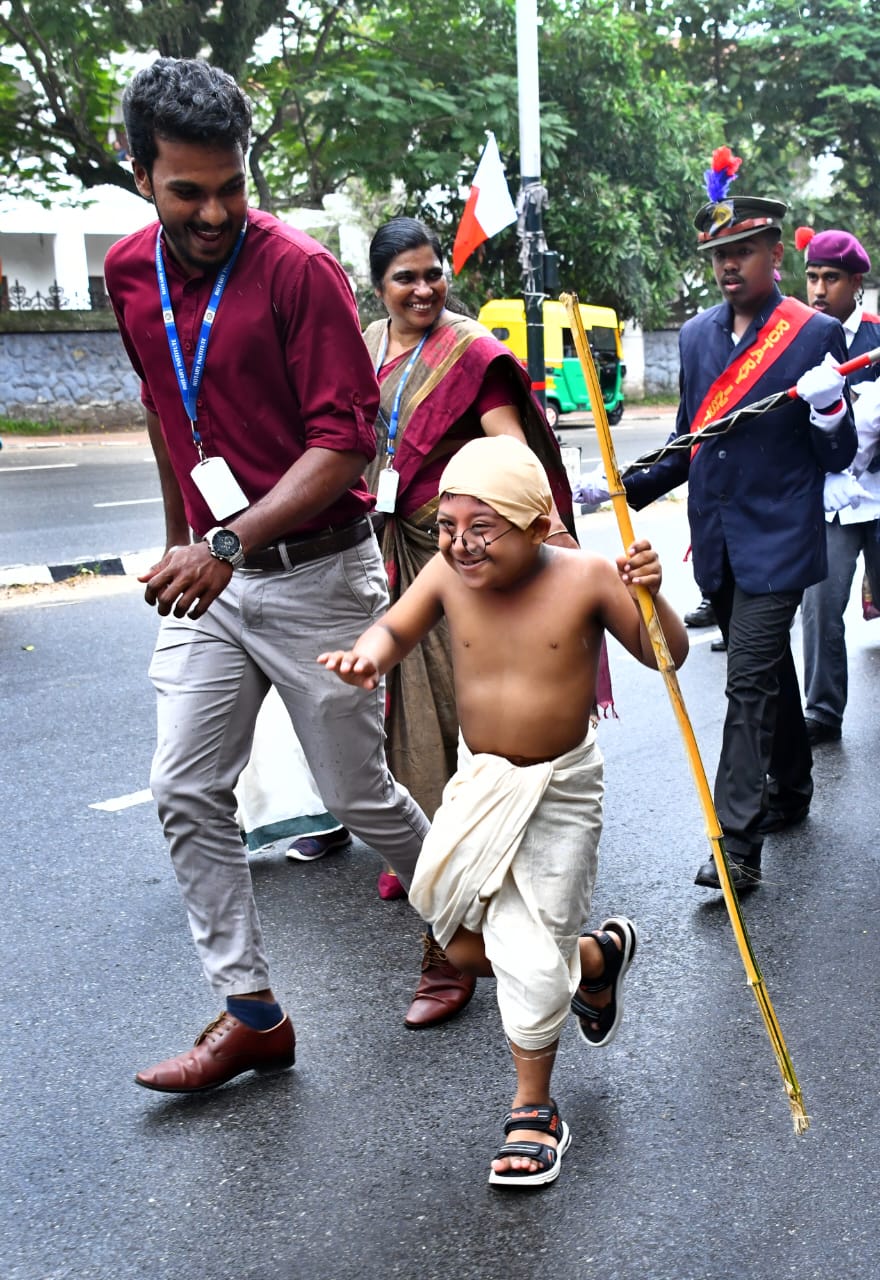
(504, 473)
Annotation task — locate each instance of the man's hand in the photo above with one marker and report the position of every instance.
(842, 489)
(822, 388)
(351, 667)
(592, 488)
(186, 580)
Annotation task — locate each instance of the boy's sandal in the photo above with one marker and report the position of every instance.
(545, 1119)
(617, 962)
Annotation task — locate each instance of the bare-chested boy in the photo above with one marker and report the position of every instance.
(506, 873)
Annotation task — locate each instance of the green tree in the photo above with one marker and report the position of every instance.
(626, 186)
(794, 84)
(622, 189)
(61, 76)
(396, 97)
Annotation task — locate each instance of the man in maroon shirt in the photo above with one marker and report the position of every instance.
(260, 401)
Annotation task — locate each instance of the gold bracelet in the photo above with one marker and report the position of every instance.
(555, 534)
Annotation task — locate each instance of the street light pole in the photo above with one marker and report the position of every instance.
(532, 195)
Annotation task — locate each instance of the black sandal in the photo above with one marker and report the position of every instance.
(545, 1119)
(617, 962)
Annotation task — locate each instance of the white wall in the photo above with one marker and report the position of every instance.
(66, 243)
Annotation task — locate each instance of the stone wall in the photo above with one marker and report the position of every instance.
(82, 377)
(72, 377)
(661, 363)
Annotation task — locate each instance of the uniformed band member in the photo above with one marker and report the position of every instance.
(755, 503)
(836, 264)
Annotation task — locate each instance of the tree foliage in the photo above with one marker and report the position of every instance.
(795, 85)
(392, 98)
(63, 68)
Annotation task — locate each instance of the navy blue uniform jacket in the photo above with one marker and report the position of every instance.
(757, 490)
(866, 339)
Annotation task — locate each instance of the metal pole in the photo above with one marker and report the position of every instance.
(532, 196)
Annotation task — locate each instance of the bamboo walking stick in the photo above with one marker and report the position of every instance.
(667, 669)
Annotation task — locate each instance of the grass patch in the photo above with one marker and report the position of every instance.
(25, 427)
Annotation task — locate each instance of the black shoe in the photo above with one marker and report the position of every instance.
(719, 645)
(818, 731)
(702, 616)
(778, 819)
(745, 873)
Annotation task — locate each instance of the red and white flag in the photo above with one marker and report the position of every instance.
(489, 208)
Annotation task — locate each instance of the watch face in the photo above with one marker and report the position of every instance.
(225, 543)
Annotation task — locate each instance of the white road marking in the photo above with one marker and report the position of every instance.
(45, 466)
(129, 502)
(123, 802)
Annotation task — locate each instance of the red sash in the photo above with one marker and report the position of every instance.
(736, 383)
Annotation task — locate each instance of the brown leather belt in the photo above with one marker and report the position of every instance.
(290, 552)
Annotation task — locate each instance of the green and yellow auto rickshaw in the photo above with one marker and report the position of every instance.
(566, 390)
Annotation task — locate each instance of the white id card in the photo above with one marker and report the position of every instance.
(219, 487)
(386, 493)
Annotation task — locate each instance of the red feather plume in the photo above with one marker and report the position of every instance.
(803, 236)
(724, 161)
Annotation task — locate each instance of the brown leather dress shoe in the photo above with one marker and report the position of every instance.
(443, 990)
(224, 1049)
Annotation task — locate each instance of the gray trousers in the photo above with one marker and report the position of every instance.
(211, 676)
(824, 638)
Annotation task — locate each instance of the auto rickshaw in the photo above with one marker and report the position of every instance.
(566, 390)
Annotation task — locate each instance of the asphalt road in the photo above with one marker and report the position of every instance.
(370, 1158)
(65, 500)
(70, 499)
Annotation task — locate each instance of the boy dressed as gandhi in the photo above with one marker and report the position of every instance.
(506, 873)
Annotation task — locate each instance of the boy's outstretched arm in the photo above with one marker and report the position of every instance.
(641, 568)
(374, 653)
(388, 642)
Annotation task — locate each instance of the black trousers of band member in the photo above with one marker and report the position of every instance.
(765, 759)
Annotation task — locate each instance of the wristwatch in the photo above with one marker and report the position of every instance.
(225, 545)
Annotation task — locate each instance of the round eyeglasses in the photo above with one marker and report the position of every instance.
(473, 541)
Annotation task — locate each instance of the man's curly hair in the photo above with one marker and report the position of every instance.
(184, 100)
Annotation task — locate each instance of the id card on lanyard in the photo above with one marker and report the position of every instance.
(389, 478)
(212, 476)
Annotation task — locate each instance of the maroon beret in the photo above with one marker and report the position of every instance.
(838, 249)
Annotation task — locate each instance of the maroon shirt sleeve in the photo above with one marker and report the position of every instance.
(328, 364)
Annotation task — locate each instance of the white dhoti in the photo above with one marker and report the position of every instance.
(512, 854)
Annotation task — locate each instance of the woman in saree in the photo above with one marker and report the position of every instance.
(444, 380)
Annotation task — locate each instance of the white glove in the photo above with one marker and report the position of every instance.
(842, 489)
(592, 488)
(822, 387)
(866, 410)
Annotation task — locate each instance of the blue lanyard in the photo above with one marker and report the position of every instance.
(190, 384)
(395, 408)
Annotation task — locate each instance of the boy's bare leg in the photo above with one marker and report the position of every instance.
(467, 952)
(533, 1070)
(592, 965)
(534, 1067)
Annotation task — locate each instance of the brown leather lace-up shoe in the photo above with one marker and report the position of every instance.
(224, 1049)
(443, 990)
